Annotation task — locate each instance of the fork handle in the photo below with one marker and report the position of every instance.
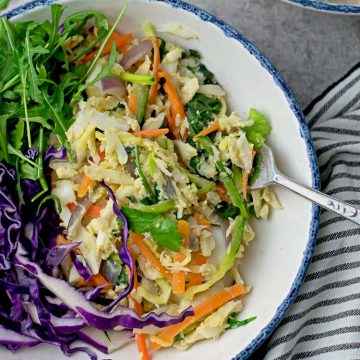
(319, 198)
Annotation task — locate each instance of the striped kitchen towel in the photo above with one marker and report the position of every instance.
(324, 321)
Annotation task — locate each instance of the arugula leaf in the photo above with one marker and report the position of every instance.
(234, 323)
(200, 112)
(256, 134)
(4, 4)
(162, 229)
(17, 134)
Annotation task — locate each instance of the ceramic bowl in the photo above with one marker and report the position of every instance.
(277, 260)
(350, 7)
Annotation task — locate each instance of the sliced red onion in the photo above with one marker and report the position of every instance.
(112, 86)
(135, 53)
(9, 337)
(121, 316)
(106, 343)
(79, 212)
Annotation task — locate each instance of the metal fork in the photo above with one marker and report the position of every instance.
(271, 175)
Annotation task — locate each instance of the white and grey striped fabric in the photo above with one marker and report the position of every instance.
(324, 321)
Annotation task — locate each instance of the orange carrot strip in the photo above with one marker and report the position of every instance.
(149, 255)
(120, 40)
(71, 207)
(212, 303)
(140, 338)
(85, 185)
(199, 258)
(100, 153)
(132, 104)
(201, 220)
(220, 188)
(214, 127)
(95, 280)
(61, 240)
(184, 230)
(195, 279)
(178, 282)
(156, 63)
(245, 179)
(153, 133)
(176, 106)
(94, 211)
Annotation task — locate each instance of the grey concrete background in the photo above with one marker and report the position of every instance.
(310, 49)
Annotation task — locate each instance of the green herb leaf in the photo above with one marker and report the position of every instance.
(123, 277)
(226, 211)
(4, 4)
(234, 323)
(200, 112)
(256, 134)
(162, 229)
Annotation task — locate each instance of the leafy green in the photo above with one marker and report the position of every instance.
(256, 134)
(227, 262)
(162, 229)
(204, 75)
(226, 211)
(162, 48)
(4, 4)
(200, 112)
(123, 277)
(38, 83)
(234, 323)
(152, 195)
(256, 170)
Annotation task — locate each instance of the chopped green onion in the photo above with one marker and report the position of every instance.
(161, 207)
(136, 78)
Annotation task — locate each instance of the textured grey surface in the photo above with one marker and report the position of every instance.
(310, 49)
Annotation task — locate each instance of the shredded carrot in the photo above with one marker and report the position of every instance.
(120, 41)
(71, 207)
(99, 151)
(149, 255)
(61, 240)
(220, 188)
(201, 220)
(140, 338)
(185, 230)
(214, 127)
(95, 280)
(85, 185)
(178, 280)
(176, 106)
(156, 64)
(199, 259)
(245, 178)
(152, 133)
(132, 103)
(206, 307)
(94, 211)
(194, 279)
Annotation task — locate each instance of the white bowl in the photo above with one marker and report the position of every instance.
(350, 7)
(276, 262)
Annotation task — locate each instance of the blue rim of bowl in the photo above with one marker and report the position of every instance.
(231, 32)
(317, 5)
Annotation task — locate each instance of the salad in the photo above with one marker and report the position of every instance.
(124, 189)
